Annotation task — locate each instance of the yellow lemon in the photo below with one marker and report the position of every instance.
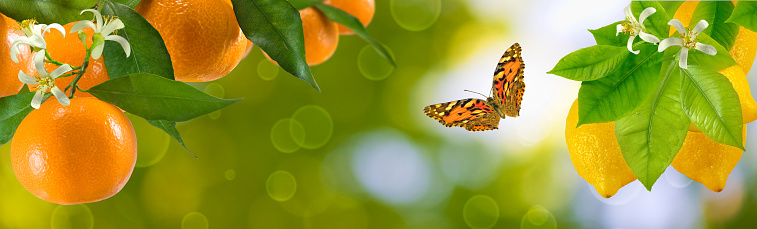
(595, 154)
(707, 161)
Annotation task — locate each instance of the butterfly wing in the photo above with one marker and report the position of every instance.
(472, 114)
(508, 86)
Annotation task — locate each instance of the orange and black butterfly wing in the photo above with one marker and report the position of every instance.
(472, 114)
(508, 86)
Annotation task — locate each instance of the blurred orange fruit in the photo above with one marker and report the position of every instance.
(363, 10)
(596, 155)
(70, 50)
(321, 36)
(707, 161)
(202, 36)
(81, 153)
(9, 83)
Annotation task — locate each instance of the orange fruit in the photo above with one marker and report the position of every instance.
(321, 36)
(202, 36)
(363, 10)
(9, 83)
(596, 155)
(249, 47)
(81, 153)
(70, 50)
(707, 161)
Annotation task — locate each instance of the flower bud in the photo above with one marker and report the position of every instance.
(97, 39)
(83, 37)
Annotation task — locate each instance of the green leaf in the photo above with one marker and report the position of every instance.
(745, 15)
(606, 35)
(671, 6)
(129, 3)
(156, 98)
(13, 109)
(170, 129)
(590, 63)
(275, 26)
(148, 51)
(657, 23)
(341, 17)
(617, 95)
(47, 11)
(718, 62)
(712, 104)
(302, 4)
(650, 137)
(715, 13)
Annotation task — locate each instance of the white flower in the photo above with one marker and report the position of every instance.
(34, 36)
(687, 41)
(636, 28)
(46, 81)
(103, 29)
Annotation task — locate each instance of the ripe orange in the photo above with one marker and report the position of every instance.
(202, 36)
(9, 83)
(70, 50)
(363, 10)
(81, 153)
(321, 36)
(596, 156)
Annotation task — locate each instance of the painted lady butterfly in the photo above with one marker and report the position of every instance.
(479, 115)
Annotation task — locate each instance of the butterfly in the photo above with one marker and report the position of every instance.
(479, 115)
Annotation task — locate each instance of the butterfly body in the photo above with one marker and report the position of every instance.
(505, 100)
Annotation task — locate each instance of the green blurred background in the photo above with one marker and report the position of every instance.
(363, 155)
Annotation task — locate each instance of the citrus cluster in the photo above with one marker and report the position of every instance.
(596, 155)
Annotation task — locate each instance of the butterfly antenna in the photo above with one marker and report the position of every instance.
(476, 93)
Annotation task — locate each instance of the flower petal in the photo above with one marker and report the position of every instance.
(38, 41)
(619, 29)
(37, 100)
(124, 43)
(14, 47)
(679, 26)
(705, 48)
(61, 96)
(649, 37)
(112, 26)
(97, 51)
(701, 25)
(58, 27)
(39, 63)
(99, 18)
(628, 13)
(664, 44)
(81, 24)
(26, 78)
(682, 58)
(644, 14)
(630, 45)
(60, 70)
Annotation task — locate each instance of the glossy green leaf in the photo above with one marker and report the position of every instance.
(148, 51)
(657, 23)
(355, 25)
(715, 13)
(47, 11)
(607, 35)
(745, 15)
(718, 62)
(712, 104)
(170, 129)
(650, 137)
(591, 63)
(302, 4)
(275, 26)
(13, 109)
(610, 98)
(156, 98)
(671, 6)
(129, 3)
